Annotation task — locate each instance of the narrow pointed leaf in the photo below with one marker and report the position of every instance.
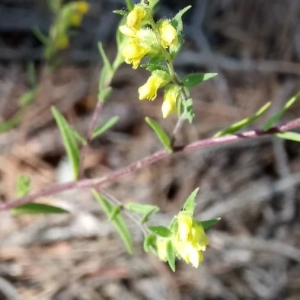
(106, 126)
(243, 123)
(272, 121)
(115, 212)
(129, 4)
(118, 221)
(38, 208)
(161, 134)
(289, 135)
(208, 223)
(192, 80)
(189, 205)
(69, 140)
(28, 97)
(171, 255)
(145, 209)
(40, 36)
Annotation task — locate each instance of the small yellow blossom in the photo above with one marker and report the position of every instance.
(161, 247)
(149, 90)
(168, 34)
(62, 42)
(133, 53)
(81, 7)
(75, 19)
(190, 240)
(170, 98)
(135, 17)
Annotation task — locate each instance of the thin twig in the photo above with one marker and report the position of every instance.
(146, 161)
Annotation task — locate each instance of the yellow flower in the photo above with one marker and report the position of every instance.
(161, 247)
(81, 7)
(62, 42)
(149, 90)
(190, 240)
(135, 17)
(168, 34)
(75, 19)
(133, 53)
(170, 97)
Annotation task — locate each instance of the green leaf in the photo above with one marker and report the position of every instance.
(149, 242)
(23, 185)
(129, 5)
(31, 73)
(118, 221)
(289, 135)
(106, 126)
(28, 97)
(171, 255)
(241, 124)
(192, 80)
(115, 212)
(12, 122)
(271, 122)
(161, 134)
(186, 110)
(69, 140)
(40, 36)
(79, 137)
(106, 73)
(161, 231)
(208, 223)
(145, 209)
(120, 12)
(189, 204)
(37, 208)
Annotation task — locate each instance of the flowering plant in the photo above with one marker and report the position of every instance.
(143, 43)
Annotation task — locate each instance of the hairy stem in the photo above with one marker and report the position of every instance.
(146, 161)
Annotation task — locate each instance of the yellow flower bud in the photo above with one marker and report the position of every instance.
(168, 34)
(149, 90)
(135, 17)
(75, 19)
(170, 97)
(62, 42)
(82, 7)
(185, 223)
(133, 53)
(199, 237)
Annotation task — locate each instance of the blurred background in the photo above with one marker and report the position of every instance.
(253, 186)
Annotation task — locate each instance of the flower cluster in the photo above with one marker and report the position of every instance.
(155, 40)
(188, 242)
(68, 15)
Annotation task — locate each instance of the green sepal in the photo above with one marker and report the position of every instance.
(37, 208)
(160, 133)
(118, 221)
(289, 135)
(23, 185)
(177, 23)
(120, 12)
(69, 140)
(192, 80)
(149, 242)
(243, 123)
(189, 204)
(272, 121)
(161, 231)
(106, 126)
(129, 5)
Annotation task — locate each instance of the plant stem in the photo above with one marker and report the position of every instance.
(146, 161)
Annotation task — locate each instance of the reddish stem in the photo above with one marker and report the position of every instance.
(98, 182)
